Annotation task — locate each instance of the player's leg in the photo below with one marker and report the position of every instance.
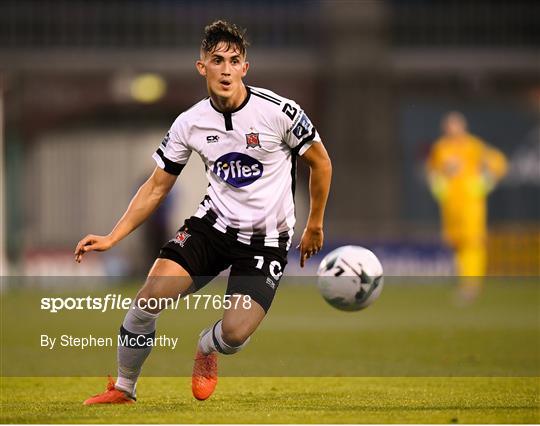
(471, 256)
(471, 261)
(230, 334)
(166, 280)
(252, 285)
(227, 336)
(239, 322)
(187, 262)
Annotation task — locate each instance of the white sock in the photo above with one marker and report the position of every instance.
(131, 358)
(211, 340)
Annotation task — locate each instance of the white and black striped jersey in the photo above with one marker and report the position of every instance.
(250, 157)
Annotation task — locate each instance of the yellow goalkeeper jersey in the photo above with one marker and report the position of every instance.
(462, 171)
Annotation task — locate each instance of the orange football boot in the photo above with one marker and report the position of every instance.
(110, 396)
(204, 378)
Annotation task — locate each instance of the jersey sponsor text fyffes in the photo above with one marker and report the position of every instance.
(238, 169)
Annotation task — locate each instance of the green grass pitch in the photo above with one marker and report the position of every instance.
(281, 400)
(412, 357)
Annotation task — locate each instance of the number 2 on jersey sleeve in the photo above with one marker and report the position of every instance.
(290, 111)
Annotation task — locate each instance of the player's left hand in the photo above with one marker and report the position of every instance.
(310, 244)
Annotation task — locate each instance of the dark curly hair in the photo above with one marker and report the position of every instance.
(222, 31)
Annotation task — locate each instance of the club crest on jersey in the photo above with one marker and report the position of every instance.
(252, 140)
(237, 169)
(181, 238)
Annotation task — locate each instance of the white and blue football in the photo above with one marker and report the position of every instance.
(350, 278)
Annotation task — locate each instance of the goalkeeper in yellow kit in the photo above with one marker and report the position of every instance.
(462, 171)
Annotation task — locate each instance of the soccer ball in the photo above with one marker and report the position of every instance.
(350, 278)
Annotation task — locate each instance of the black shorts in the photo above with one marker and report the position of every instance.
(204, 252)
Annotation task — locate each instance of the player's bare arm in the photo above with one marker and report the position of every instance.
(319, 186)
(146, 200)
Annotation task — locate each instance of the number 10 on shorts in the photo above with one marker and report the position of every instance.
(274, 267)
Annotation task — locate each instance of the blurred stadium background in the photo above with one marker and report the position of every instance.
(89, 89)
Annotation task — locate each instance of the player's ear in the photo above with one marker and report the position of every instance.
(245, 68)
(201, 68)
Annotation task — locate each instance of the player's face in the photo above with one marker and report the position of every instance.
(224, 69)
(454, 125)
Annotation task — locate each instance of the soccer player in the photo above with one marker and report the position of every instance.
(462, 171)
(249, 139)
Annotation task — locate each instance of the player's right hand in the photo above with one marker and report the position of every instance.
(91, 243)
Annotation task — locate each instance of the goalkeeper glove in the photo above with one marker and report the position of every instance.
(439, 187)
